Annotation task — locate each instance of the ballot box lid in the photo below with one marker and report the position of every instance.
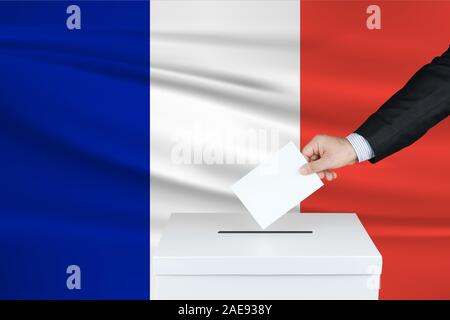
(233, 243)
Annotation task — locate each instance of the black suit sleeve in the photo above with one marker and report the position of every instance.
(408, 114)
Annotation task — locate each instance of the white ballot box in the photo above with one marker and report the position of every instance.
(300, 256)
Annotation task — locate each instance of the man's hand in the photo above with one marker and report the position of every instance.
(325, 153)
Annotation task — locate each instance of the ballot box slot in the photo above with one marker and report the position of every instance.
(264, 231)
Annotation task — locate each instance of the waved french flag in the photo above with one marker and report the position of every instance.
(229, 83)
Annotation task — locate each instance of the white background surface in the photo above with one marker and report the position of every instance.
(217, 65)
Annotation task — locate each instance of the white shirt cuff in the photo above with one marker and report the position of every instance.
(362, 147)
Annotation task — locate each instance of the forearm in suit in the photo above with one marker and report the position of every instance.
(408, 114)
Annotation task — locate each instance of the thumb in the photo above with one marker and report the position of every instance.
(314, 166)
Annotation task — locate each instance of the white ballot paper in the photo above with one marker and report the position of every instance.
(276, 185)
